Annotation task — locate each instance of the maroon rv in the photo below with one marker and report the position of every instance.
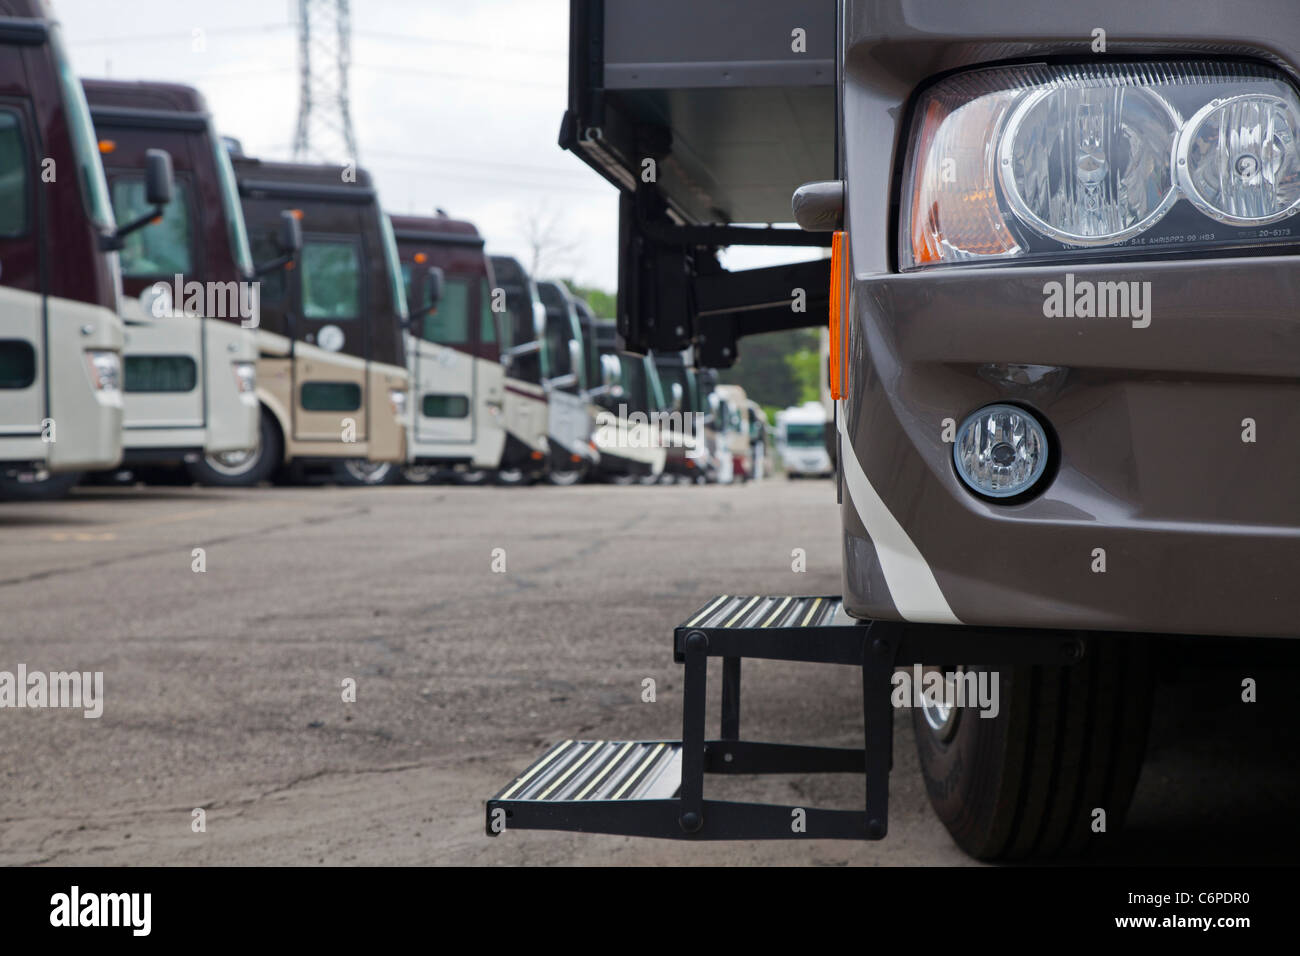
(60, 335)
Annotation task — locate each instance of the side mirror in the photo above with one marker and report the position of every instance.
(289, 238)
(678, 396)
(158, 178)
(611, 378)
(437, 284)
(158, 186)
(425, 293)
(611, 371)
(819, 207)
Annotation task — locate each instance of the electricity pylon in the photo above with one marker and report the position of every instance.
(324, 131)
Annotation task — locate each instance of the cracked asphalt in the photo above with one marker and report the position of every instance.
(223, 690)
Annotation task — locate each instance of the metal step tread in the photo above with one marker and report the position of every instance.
(590, 770)
(759, 612)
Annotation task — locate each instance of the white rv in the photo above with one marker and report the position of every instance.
(801, 441)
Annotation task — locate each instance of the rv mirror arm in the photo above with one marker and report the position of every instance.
(158, 186)
(289, 239)
(518, 351)
(279, 262)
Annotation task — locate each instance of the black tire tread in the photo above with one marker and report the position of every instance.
(1069, 740)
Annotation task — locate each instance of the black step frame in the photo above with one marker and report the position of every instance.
(877, 647)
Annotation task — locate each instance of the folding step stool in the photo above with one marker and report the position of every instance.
(656, 788)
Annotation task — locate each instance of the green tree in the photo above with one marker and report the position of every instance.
(602, 303)
(776, 369)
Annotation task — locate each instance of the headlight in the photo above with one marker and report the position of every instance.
(397, 396)
(1089, 166)
(245, 377)
(1238, 160)
(105, 370)
(1057, 161)
(1000, 451)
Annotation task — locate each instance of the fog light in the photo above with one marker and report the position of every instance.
(1000, 451)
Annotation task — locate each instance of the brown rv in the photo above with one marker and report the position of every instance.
(190, 303)
(1064, 360)
(332, 364)
(60, 334)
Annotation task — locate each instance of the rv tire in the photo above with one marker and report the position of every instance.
(1066, 742)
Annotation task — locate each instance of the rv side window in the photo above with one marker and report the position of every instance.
(17, 363)
(446, 406)
(331, 279)
(160, 248)
(449, 323)
(487, 323)
(13, 176)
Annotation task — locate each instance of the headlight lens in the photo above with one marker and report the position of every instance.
(1239, 162)
(105, 370)
(1089, 166)
(245, 377)
(1045, 161)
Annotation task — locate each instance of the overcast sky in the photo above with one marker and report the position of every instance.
(456, 103)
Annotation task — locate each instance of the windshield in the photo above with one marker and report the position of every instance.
(805, 436)
(394, 271)
(234, 212)
(558, 334)
(94, 189)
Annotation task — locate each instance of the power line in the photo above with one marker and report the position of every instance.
(161, 37)
(506, 182)
(464, 77)
(477, 163)
(460, 44)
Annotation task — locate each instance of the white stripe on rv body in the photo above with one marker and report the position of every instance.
(912, 585)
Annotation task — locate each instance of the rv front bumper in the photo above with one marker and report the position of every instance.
(1172, 503)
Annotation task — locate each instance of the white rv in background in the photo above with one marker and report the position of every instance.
(801, 441)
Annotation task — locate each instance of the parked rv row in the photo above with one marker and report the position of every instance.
(172, 303)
